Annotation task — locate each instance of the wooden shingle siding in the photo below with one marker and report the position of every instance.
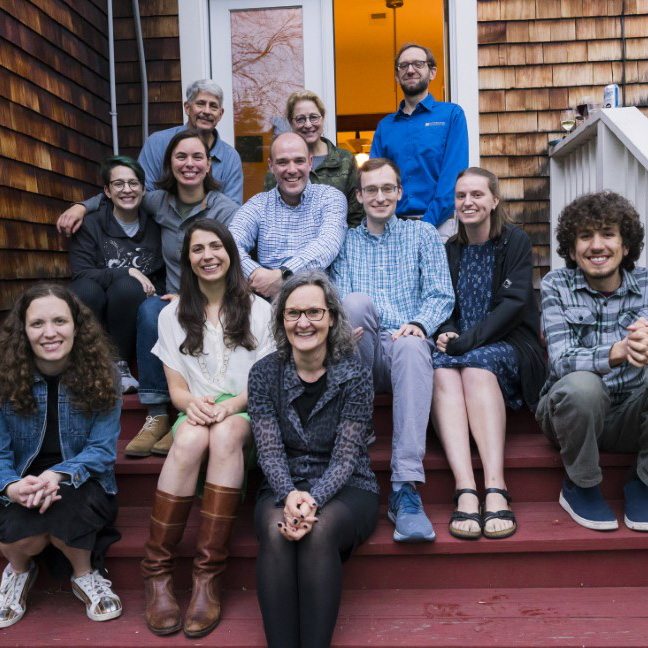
(162, 49)
(54, 127)
(55, 116)
(537, 58)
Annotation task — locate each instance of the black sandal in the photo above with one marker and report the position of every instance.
(505, 514)
(461, 515)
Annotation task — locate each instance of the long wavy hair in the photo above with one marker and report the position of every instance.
(90, 373)
(168, 181)
(235, 311)
(339, 341)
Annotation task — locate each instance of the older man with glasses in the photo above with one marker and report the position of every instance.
(427, 139)
(394, 280)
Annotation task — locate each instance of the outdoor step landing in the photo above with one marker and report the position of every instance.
(613, 617)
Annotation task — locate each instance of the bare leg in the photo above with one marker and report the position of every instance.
(451, 423)
(487, 419)
(180, 471)
(19, 553)
(227, 440)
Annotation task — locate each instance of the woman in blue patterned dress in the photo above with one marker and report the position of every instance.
(488, 356)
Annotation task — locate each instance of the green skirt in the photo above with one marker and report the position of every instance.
(250, 459)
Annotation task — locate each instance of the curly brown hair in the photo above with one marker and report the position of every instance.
(595, 211)
(90, 373)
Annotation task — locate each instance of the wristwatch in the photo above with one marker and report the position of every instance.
(285, 272)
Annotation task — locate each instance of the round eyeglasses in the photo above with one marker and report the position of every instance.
(313, 118)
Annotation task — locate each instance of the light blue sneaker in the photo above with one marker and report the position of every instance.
(406, 512)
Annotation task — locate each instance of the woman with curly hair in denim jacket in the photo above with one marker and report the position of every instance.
(59, 424)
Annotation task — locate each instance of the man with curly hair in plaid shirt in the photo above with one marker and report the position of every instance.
(394, 280)
(595, 321)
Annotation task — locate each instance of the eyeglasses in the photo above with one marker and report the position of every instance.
(372, 191)
(313, 118)
(118, 185)
(417, 65)
(312, 314)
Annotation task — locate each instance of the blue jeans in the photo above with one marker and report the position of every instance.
(153, 388)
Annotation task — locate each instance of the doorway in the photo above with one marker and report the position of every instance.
(368, 34)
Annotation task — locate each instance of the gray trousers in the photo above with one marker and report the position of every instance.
(404, 368)
(578, 417)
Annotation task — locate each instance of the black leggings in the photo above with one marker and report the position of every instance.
(115, 307)
(299, 583)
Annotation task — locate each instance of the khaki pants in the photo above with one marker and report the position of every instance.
(577, 416)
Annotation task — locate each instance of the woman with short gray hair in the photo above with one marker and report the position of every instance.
(311, 405)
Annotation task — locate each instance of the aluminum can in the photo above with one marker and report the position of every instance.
(611, 96)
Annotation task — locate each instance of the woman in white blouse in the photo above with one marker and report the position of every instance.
(209, 339)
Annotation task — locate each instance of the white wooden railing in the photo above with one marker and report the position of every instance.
(609, 151)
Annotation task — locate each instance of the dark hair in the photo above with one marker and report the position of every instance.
(428, 54)
(168, 181)
(235, 312)
(339, 341)
(120, 160)
(90, 372)
(595, 211)
(498, 217)
(377, 163)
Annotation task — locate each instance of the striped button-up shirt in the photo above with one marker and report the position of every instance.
(581, 324)
(308, 235)
(404, 271)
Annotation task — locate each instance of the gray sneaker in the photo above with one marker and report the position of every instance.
(128, 384)
(406, 512)
(102, 604)
(13, 594)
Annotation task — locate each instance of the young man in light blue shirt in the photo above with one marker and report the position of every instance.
(394, 280)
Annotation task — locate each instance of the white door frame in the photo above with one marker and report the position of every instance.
(196, 60)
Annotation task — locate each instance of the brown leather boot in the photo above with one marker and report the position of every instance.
(168, 521)
(218, 514)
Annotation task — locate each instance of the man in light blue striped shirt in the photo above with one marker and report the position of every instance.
(394, 279)
(295, 226)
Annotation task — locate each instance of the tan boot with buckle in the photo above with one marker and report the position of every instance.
(163, 446)
(154, 428)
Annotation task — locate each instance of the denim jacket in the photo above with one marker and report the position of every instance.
(88, 443)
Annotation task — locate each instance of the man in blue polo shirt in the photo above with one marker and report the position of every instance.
(428, 141)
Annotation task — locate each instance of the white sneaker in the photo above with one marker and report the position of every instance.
(102, 604)
(128, 383)
(13, 594)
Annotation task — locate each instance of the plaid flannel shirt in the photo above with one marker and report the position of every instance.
(404, 271)
(581, 324)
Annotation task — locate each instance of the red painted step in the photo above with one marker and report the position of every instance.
(422, 618)
(533, 471)
(548, 550)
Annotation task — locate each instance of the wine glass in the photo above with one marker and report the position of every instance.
(568, 120)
